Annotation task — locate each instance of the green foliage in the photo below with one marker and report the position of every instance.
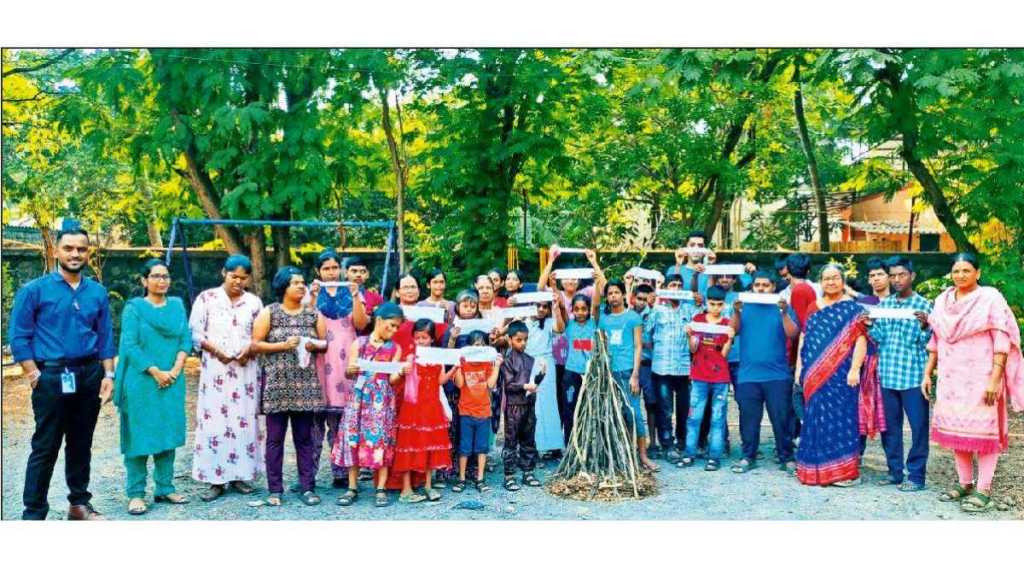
(8, 298)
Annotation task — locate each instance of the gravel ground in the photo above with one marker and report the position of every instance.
(690, 494)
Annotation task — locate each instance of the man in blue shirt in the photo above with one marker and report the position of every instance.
(62, 336)
(764, 377)
(690, 263)
(901, 361)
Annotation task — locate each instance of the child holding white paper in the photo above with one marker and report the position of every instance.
(367, 437)
(542, 329)
(475, 381)
(709, 376)
(422, 444)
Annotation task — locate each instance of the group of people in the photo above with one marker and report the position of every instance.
(409, 392)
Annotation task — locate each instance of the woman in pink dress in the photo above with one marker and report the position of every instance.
(976, 342)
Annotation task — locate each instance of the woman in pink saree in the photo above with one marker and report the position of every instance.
(976, 343)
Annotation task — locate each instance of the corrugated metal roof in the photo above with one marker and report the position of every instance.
(892, 227)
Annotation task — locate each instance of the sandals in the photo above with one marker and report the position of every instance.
(433, 495)
(380, 498)
(909, 486)
(887, 481)
(977, 502)
(440, 480)
(213, 492)
(242, 487)
(685, 462)
(481, 486)
(712, 465)
(459, 486)
(172, 498)
(274, 499)
(846, 483)
(511, 485)
(309, 498)
(411, 498)
(137, 506)
(956, 494)
(348, 498)
(744, 465)
(651, 466)
(530, 480)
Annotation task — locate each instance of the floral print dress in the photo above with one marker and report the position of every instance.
(366, 438)
(229, 441)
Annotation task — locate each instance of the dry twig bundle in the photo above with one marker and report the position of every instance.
(601, 462)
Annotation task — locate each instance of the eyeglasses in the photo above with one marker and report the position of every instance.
(159, 277)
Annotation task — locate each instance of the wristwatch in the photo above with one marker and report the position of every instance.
(108, 374)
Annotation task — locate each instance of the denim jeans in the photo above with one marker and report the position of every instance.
(754, 398)
(634, 411)
(912, 403)
(699, 392)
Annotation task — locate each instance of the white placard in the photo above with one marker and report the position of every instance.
(577, 273)
(564, 250)
(892, 313)
(335, 284)
(646, 274)
(706, 328)
(432, 355)
(484, 325)
(759, 298)
(675, 294)
(479, 353)
(532, 297)
(724, 269)
(697, 250)
(519, 312)
(376, 367)
(432, 313)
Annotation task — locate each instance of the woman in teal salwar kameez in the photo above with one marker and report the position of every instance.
(149, 386)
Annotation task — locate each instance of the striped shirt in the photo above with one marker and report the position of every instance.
(901, 344)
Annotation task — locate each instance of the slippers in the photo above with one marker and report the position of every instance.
(137, 506)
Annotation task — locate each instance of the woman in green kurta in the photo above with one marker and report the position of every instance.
(149, 387)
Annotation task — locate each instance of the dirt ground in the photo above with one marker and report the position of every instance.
(683, 494)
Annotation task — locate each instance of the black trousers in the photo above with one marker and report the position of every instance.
(571, 384)
(673, 397)
(520, 447)
(62, 418)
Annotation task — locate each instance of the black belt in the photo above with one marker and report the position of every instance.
(74, 363)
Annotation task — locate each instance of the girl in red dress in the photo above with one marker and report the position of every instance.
(422, 442)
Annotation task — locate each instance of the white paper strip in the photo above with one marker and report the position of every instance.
(707, 328)
(532, 297)
(304, 355)
(431, 355)
(414, 313)
(892, 313)
(335, 284)
(675, 294)
(696, 250)
(578, 273)
(724, 269)
(375, 367)
(646, 274)
(482, 324)
(479, 353)
(759, 298)
(564, 250)
(519, 312)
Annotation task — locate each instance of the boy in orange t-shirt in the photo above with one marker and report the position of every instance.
(475, 381)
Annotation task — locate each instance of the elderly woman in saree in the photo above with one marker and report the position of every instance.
(841, 393)
(976, 343)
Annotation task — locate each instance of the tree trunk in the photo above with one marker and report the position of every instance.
(282, 246)
(151, 229)
(399, 170)
(258, 254)
(203, 187)
(903, 108)
(49, 260)
(812, 162)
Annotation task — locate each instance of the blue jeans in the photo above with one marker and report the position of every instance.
(673, 391)
(634, 411)
(699, 392)
(915, 405)
(753, 398)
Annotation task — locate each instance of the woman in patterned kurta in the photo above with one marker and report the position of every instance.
(976, 342)
(367, 435)
(228, 444)
(291, 390)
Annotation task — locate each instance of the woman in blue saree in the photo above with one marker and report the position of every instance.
(840, 387)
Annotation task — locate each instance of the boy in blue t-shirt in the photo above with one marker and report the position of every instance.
(764, 378)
